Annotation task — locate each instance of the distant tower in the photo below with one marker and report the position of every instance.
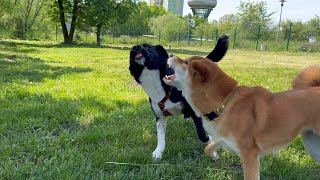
(202, 8)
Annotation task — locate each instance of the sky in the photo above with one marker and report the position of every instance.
(302, 10)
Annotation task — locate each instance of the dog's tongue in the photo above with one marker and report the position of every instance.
(139, 56)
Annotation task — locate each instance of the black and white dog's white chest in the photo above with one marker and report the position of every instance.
(153, 86)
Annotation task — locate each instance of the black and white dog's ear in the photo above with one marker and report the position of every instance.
(134, 68)
(132, 56)
(162, 51)
(220, 50)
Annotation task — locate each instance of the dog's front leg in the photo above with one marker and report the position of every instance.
(250, 160)
(161, 136)
(211, 150)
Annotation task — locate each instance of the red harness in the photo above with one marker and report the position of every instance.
(162, 106)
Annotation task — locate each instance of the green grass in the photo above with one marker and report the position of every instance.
(66, 112)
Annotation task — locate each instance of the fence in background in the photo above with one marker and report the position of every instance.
(264, 40)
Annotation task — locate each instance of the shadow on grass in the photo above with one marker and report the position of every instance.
(22, 110)
(20, 68)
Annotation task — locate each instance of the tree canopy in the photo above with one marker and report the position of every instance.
(168, 26)
(251, 16)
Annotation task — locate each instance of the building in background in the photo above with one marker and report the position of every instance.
(156, 2)
(174, 6)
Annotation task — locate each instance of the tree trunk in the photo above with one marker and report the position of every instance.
(74, 20)
(63, 22)
(99, 34)
(37, 11)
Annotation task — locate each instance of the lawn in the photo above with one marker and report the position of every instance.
(74, 112)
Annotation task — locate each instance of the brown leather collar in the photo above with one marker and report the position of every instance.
(220, 109)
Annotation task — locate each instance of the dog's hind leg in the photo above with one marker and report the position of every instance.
(311, 142)
(161, 136)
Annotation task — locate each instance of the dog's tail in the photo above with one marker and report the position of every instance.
(308, 77)
(220, 50)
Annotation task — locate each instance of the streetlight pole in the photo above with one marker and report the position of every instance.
(189, 20)
(191, 24)
(282, 2)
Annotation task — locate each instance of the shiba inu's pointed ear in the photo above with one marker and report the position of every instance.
(161, 50)
(220, 50)
(199, 71)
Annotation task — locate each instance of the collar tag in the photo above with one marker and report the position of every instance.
(220, 110)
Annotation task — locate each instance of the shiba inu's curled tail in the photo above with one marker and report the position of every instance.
(308, 77)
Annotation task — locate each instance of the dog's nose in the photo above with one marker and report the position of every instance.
(171, 55)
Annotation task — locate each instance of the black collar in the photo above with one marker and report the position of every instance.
(211, 116)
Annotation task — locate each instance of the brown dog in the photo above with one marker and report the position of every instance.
(252, 121)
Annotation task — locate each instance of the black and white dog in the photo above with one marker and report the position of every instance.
(148, 65)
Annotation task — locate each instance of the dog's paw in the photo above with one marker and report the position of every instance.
(156, 155)
(214, 155)
(187, 117)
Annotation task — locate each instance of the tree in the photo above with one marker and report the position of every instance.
(24, 14)
(252, 15)
(6, 7)
(228, 23)
(138, 21)
(313, 29)
(205, 30)
(168, 25)
(298, 30)
(6, 17)
(97, 13)
(69, 8)
(103, 13)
